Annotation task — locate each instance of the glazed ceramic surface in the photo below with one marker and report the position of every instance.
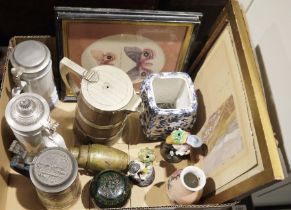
(142, 171)
(32, 70)
(185, 186)
(27, 115)
(179, 144)
(141, 174)
(169, 102)
(110, 189)
(168, 153)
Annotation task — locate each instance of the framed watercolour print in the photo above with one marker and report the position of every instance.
(138, 42)
(227, 130)
(232, 118)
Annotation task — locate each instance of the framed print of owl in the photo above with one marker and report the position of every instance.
(139, 42)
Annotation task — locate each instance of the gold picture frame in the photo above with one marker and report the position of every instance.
(92, 37)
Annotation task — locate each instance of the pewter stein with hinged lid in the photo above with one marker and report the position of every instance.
(32, 70)
(54, 174)
(27, 115)
(105, 98)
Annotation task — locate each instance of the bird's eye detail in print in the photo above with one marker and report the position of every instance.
(102, 58)
(142, 59)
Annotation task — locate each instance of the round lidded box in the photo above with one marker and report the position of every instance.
(109, 189)
(54, 173)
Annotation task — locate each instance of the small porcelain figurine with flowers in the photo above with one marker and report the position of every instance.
(178, 145)
(142, 171)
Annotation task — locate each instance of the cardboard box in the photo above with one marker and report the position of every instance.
(224, 73)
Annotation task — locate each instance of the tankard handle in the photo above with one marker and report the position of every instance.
(67, 66)
(19, 84)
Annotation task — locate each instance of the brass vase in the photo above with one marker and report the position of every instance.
(97, 157)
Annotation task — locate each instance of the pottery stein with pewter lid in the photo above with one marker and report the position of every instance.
(27, 115)
(32, 70)
(105, 98)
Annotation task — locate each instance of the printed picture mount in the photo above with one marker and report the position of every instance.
(135, 54)
(138, 42)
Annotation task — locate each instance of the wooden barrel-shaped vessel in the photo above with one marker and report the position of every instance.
(100, 117)
(105, 97)
(90, 132)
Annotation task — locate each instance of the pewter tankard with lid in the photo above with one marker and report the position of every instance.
(54, 173)
(27, 115)
(105, 98)
(32, 70)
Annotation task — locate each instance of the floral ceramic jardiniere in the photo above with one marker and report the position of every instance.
(169, 103)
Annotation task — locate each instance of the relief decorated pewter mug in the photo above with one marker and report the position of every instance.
(32, 70)
(54, 174)
(27, 115)
(105, 97)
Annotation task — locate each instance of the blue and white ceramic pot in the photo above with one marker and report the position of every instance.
(169, 102)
